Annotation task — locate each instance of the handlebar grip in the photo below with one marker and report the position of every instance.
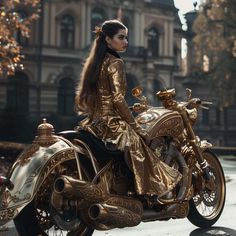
(206, 103)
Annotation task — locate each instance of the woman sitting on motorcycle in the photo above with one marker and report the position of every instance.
(100, 95)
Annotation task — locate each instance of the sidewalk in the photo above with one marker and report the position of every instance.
(228, 157)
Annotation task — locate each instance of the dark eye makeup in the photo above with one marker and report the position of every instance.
(121, 36)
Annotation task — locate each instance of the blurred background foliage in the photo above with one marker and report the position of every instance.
(14, 24)
(215, 42)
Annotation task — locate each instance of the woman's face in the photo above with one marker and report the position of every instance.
(119, 42)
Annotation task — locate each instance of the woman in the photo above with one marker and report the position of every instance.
(100, 95)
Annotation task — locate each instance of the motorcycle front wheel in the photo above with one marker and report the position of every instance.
(207, 205)
(38, 217)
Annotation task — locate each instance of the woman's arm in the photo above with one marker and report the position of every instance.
(117, 84)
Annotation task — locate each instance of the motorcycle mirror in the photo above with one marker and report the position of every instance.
(137, 91)
(166, 94)
(189, 93)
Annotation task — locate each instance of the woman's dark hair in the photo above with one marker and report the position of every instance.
(87, 97)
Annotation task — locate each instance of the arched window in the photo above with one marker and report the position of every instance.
(153, 42)
(131, 83)
(98, 15)
(67, 28)
(18, 93)
(66, 94)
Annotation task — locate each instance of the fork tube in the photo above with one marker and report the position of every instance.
(196, 148)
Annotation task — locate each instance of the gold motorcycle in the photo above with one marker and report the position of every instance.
(72, 182)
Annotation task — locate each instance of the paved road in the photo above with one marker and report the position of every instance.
(225, 226)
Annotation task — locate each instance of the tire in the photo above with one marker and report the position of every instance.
(207, 205)
(36, 219)
(26, 222)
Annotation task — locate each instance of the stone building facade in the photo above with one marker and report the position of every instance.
(215, 124)
(60, 42)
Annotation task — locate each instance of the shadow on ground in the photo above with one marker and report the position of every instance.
(214, 231)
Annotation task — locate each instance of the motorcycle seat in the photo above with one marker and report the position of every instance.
(102, 152)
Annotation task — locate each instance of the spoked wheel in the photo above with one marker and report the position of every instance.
(39, 218)
(208, 203)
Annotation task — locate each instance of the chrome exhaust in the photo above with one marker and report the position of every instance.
(109, 216)
(75, 188)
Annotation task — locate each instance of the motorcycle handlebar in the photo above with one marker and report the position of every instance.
(197, 102)
(192, 103)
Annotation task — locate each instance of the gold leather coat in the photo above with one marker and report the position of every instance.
(114, 123)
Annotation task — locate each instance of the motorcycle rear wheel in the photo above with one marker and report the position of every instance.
(36, 218)
(207, 205)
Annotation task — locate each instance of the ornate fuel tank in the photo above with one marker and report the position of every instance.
(161, 122)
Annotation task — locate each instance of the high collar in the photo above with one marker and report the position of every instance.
(113, 52)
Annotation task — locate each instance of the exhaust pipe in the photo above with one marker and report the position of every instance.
(74, 188)
(66, 185)
(96, 212)
(177, 210)
(109, 216)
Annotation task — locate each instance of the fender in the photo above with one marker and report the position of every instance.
(28, 173)
(31, 169)
(159, 122)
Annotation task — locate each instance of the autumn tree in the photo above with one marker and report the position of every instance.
(13, 23)
(215, 42)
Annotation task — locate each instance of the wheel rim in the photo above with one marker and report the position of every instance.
(46, 214)
(209, 203)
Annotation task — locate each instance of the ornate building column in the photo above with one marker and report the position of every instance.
(83, 25)
(53, 29)
(171, 38)
(46, 26)
(137, 28)
(88, 24)
(161, 42)
(141, 27)
(166, 40)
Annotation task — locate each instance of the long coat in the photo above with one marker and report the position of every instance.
(114, 123)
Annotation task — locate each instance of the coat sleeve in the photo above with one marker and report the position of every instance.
(117, 82)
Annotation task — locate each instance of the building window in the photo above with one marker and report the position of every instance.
(98, 15)
(67, 28)
(153, 42)
(66, 95)
(18, 93)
